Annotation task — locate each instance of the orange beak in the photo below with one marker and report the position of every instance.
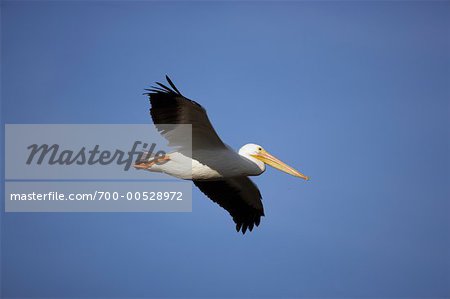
(280, 165)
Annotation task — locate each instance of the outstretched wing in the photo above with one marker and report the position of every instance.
(169, 106)
(239, 196)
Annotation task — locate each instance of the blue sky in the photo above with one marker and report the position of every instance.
(354, 94)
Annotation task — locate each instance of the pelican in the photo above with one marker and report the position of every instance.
(218, 171)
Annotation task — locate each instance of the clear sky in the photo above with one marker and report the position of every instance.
(354, 94)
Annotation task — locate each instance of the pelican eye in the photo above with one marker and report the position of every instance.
(259, 149)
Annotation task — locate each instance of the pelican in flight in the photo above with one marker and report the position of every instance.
(218, 171)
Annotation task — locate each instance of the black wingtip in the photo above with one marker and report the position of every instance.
(162, 88)
(167, 89)
(173, 85)
(244, 229)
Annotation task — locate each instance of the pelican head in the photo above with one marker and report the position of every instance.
(259, 153)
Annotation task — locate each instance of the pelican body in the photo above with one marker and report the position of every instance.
(217, 170)
(222, 164)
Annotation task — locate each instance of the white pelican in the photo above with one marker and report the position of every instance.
(218, 171)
